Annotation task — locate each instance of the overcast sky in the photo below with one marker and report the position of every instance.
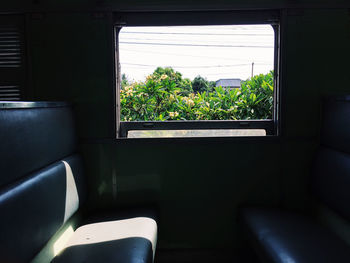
(214, 52)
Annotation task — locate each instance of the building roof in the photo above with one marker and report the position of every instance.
(236, 83)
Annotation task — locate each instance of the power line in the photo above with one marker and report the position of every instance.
(207, 66)
(187, 55)
(226, 75)
(192, 45)
(212, 66)
(195, 34)
(208, 41)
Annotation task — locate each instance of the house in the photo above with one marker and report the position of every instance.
(229, 83)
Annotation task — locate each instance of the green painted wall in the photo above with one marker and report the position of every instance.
(197, 186)
(72, 59)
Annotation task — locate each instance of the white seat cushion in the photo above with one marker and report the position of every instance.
(91, 241)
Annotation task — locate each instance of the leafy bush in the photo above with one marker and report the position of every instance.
(166, 96)
(200, 84)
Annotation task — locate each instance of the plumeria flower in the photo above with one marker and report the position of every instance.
(173, 114)
(163, 77)
(188, 101)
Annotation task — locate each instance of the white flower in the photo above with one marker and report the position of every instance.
(188, 101)
(163, 77)
(173, 114)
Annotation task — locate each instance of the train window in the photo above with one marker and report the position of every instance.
(197, 80)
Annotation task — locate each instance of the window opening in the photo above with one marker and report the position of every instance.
(173, 79)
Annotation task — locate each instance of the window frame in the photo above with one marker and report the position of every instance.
(188, 18)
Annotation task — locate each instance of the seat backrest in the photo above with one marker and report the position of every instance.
(41, 176)
(331, 169)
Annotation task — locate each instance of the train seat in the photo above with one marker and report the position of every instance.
(42, 186)
(280, 236)
(126, 240)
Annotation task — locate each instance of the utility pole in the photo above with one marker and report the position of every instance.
(252, 69)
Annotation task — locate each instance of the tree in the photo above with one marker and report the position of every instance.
(159, 98)
(200, 84)
(124, 82)
(257, 97)
(212, 85)
(185, 85)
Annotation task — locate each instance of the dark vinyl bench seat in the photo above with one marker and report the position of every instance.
(287, 237)
(126, 240)
(284, 237)
(42, 186)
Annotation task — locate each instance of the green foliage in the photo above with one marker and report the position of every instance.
(200, 84)
(125, 81)
(166, 96)
(257, 97)
(184, 85)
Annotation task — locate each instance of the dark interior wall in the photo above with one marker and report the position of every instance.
(137, 5)
(196, 184)
(71, 56)
(316, 54)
